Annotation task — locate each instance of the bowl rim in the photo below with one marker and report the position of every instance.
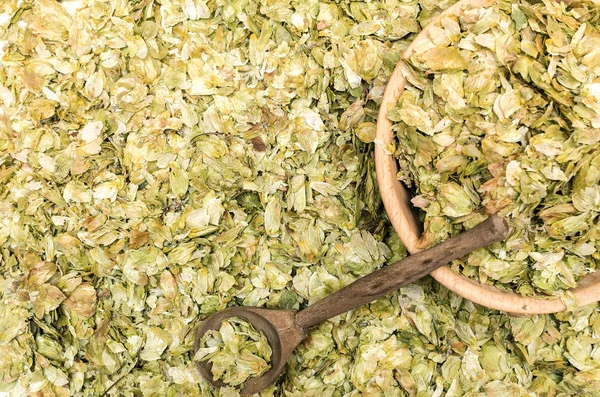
(397, 204)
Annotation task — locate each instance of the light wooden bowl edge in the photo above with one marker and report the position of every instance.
(396, 201)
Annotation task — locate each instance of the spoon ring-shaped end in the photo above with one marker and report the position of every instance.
(278, 326)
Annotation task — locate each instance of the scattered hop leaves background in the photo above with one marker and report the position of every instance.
(163, 159)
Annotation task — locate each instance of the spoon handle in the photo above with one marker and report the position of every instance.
(403, 273)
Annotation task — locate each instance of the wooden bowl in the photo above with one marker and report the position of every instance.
(406, 223)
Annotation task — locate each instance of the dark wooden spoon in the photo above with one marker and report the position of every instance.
(285, 329)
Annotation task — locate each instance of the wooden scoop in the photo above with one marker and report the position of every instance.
(285, 329)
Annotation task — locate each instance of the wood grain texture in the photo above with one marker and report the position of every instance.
(403, 273)
(398, 207)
